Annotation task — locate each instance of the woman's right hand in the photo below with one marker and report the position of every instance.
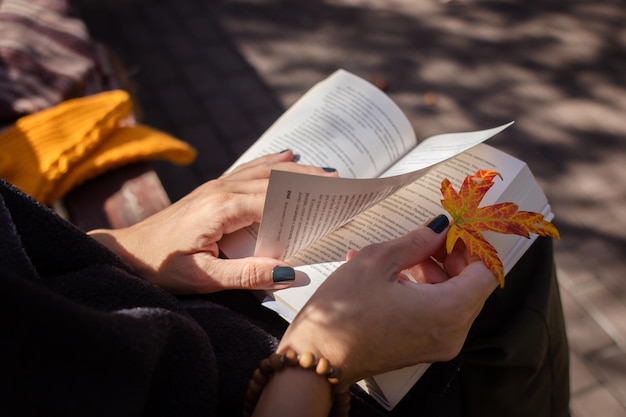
(366, 319)
(178, 247)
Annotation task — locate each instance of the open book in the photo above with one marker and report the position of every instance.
(389, 184)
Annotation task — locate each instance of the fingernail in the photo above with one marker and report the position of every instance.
(283, 275)
(439, 223)
(296, 157)
(284, 150)
(329, 169)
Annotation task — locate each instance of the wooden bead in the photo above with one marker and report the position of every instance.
(333, 381)
(265, 367)
(307, 360)
(251, 397)
(323, 366)
(276, 361)
(291, 357)
(255, 388)
(260, 378)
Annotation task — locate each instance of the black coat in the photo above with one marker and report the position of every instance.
(85, 336)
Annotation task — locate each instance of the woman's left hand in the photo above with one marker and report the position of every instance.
(368, 317)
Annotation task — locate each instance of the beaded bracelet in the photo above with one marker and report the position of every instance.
(277, 362)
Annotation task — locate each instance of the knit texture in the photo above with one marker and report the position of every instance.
(48, 153)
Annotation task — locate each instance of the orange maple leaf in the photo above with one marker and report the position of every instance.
(469, 220)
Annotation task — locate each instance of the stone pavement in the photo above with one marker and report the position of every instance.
(218, 73)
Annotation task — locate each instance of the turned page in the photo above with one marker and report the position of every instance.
(343, 122)
(439, 148)
(300, 209)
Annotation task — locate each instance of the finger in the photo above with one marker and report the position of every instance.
(410, 249)
(458, 259)
(254, 273)
(474, 284)
(263, 171)
(251, 186)
(237, 211)
(350, 254)
(427, 272)
(284, 156)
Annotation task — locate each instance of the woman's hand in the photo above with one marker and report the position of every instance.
(369, 318)
(178, 249)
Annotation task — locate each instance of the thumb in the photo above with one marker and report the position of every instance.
(254, 273)
(414, 247)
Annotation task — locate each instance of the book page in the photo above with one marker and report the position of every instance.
(440, 147)
(343, 122)
(389, 388)
(300, 208)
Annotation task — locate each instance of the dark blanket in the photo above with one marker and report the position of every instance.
(83, 336)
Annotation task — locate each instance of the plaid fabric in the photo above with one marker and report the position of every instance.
(46, 56)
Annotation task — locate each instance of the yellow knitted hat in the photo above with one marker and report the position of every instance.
(48, 153)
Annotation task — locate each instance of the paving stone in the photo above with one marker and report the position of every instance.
(160, 16)
(581, 377)
(179, 48)
(203, 30)
(263, 120)
(611, 367)
(226, 61)
(230, 121)
(213, 157)
(251, 95)
(597, 402)
(154, 69)
(606, 310)
(181, 104)
(203, 81)
(584, 334)
(138, 37)
(177, 181)
(572, 273)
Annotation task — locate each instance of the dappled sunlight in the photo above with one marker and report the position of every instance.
(557, 69)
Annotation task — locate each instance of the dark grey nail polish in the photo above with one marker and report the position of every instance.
(296, 157)
(327, 169)
(284, 150)
(439, 223)
(283, 275)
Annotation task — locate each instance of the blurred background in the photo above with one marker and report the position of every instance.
(218, 73)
